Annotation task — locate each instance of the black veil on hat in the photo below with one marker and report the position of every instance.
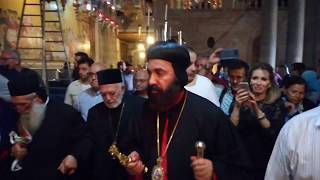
(109, 76)
(174, 53)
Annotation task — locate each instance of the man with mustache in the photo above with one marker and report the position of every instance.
(175, 119)
(53, 127)
(108, 125)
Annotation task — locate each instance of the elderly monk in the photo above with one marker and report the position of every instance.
(108, 128)
(52, 127)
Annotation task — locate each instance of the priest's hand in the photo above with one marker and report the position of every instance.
(135, 165)
(68, 165)
(202, 168)
(19, 151)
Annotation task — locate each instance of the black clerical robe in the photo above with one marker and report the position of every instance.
(200, 121)
(102, 127)
(56, 137)
(8, 120)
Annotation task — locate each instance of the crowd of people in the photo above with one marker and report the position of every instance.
(252, 122)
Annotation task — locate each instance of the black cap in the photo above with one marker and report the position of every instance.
(174, 53)
(109, 76)
(24, 84)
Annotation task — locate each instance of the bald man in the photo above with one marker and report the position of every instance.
(90, 97)
(140, 82)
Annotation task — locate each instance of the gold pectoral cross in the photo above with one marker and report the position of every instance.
(116, 154)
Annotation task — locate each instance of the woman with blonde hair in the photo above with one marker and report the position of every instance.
(258, 114)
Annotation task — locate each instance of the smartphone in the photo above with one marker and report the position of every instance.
(244, 85)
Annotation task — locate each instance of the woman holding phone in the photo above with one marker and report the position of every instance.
(258, 114)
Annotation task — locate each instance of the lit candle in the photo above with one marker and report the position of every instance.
(180, 37)
(139, 31)
(165, 31)
(157, 34)
(148, 19)
(166, 13)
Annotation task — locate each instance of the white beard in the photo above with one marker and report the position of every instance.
(115, 104)
(32, 120)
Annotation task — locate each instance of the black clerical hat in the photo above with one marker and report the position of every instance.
(24, 84)
(109, 76)
(174, 53)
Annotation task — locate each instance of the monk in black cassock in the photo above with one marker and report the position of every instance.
(8, 120)
(184, 119)
(108, 123)
(54, 127)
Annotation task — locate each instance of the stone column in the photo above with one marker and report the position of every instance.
(97, 42)
(268, 49)
(309, 49)
(317, 51)
(295, 35)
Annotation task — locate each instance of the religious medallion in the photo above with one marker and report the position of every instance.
(157, 171)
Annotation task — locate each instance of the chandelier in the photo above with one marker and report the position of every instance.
(103, 11)
(202, 4)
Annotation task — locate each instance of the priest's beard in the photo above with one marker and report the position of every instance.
(33, 119)
(115, 104)
(163, 100)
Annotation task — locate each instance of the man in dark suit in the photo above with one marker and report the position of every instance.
(54, 129)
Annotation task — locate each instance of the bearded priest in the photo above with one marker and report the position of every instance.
(51, 129)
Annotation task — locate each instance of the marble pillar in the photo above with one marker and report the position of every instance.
(295, 34)
(268, 47)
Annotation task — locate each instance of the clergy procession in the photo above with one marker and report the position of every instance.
(184, 116)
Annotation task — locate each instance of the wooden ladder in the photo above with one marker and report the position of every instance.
(40, 37)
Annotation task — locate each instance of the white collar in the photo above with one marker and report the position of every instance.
(318, 122)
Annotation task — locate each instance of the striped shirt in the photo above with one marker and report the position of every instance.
(296, 154)
(226, 101)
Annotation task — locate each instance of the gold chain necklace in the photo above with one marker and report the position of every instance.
(157, 171)
(118, 125)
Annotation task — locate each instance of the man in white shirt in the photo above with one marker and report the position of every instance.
(198, 84)
(76, 87)
(296, 154)
(4, 91)
(91, 96)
